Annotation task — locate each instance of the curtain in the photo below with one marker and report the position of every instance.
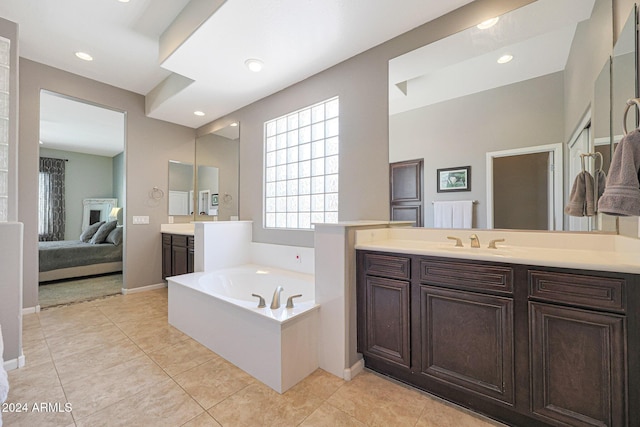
(51, 216)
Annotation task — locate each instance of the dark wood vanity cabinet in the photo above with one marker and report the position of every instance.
(529, 346)
(577, 330)
(177, 254)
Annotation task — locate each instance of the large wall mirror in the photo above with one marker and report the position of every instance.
(218, 174)
(207, 190)
(509, 100)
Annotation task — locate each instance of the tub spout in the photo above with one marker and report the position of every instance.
(275, 301)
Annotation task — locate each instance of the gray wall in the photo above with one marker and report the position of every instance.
(11, 233)
(361, 83)
(149, 145)
(461, 131)
(86, 176)
(180, 176)
(621, 10)
(592, 46)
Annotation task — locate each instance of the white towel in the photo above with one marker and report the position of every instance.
(456, 214)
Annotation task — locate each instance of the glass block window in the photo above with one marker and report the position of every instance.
(301, 159)
(5, 45)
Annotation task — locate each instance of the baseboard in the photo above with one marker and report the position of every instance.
(354, 370)
(12, 364)
(31, 310)
(143, 288)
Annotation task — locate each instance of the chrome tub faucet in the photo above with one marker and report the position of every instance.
(275, 301)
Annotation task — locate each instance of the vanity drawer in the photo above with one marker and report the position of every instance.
(387, 265)
(166, 239)
(467, 275)
(190, 242)
(179, 240)
(607, 293)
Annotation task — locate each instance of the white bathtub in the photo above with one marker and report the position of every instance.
(278, 347)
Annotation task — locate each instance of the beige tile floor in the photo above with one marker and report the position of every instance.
(117, 362)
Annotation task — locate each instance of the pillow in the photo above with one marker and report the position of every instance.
(103, 232)
(115, 236)
(90, 231)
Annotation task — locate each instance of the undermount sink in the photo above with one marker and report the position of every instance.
(482, 250)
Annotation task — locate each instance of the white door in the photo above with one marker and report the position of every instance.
(554, 193)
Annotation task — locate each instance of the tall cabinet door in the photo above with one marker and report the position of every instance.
(406, 192)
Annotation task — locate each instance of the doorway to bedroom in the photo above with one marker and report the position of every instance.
(81, 200)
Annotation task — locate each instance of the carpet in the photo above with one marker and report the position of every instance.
(78, 290)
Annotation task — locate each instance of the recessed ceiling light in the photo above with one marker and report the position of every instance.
(488, 23)
(234, 124)
(254, 65)
(505, 58)
(123, 1)
(84, 56)
(199, 113)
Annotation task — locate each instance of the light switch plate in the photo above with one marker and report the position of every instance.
(141, 219)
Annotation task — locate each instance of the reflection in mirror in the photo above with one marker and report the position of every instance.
(180, 188)
(218, 166)
(452, 104)
(624, 72)
(208, 200)
(91, 138)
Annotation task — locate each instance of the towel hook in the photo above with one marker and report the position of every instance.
(630, 103)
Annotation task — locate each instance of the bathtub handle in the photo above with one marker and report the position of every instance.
(261, 303)
(290, 300)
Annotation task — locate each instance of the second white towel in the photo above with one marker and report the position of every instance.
(454, 214)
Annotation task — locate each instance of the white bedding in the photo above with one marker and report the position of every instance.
(4, 382)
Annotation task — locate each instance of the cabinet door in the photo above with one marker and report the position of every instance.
(577, 365)
(179, 260)
(467, 341)
(166, 256)
(190, 255)
(387, 320)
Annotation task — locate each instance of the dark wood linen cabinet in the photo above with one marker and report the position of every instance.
(525, 345)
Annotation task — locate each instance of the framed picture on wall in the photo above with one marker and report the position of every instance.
(454, 179)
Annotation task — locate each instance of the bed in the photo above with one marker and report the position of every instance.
(96, 254)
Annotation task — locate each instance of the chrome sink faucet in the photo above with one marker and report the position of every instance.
(475, 242)
(275, 301)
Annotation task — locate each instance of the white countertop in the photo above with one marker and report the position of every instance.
(603, 252)
(185, 228)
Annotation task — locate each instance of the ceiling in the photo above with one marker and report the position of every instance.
(69, 125)
(294, 38)
(449, 68)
